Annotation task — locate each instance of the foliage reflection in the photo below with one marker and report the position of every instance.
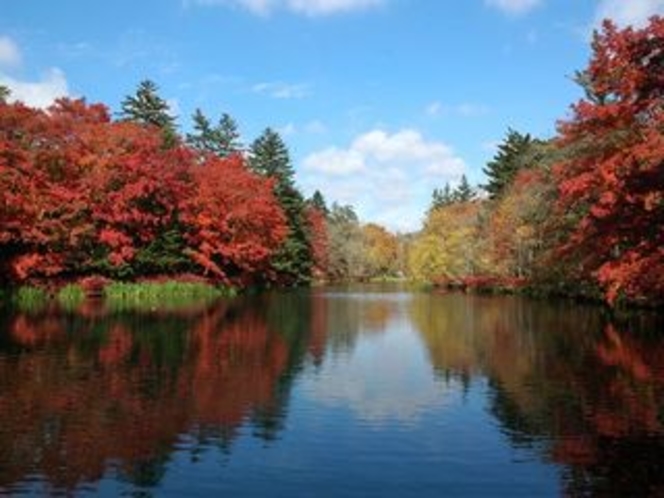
(104, 392)
(566, 382)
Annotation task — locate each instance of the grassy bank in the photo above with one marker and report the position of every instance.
(167, 293)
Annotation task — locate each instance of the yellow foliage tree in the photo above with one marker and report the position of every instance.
(381, 251)
(449, 246)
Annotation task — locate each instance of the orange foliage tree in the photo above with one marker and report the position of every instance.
(44, 159)
(234, 221)
(516, 224)
(612, 185)
(81, 194)
(318, 239)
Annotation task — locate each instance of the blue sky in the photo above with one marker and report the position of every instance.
(379, 101)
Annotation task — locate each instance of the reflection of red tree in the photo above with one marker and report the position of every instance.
(117, 347)
(592, 393)
(636, 390)
(318, 336)
(621, 423)
(70, 409)
(238, 363)
(33, 330)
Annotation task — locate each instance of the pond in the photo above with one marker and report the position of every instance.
(357, 392)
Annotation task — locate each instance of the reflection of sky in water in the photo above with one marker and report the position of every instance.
(391, 297)
(384, 378)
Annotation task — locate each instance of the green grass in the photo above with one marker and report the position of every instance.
(28, 298)
(119, 295)
(70, 296)
(152, 295)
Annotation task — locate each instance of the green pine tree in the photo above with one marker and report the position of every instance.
(441, 197)
(268, 156)
(221, 140)
(464, 192)
(509, 159)
(228, 136)
(146, 107)
(202, 138)
(5, 93)
(318, 201)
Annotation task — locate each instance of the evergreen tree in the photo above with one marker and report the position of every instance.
(446, 196)
(228, 136)
(148, 108)
(5, 93)
(441, 197)
(268, 156)
(464, 192)
(202, 139)
(511, 157)
(221, 140)
(318, 201)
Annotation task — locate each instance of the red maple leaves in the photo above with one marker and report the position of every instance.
(82, 194)
(613, 181)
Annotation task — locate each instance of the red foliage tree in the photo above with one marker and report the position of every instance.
(318, 240)
(42, 168)
(81, 193)
(137, 190)
(234, 222)
(612, 187)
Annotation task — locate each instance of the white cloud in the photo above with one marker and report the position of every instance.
(311, 8)
(334, 161)
(628, 13)
(387, 177)
(379, 383)
(514, 7)
(42, 93)
(10, 55)
(282, 91)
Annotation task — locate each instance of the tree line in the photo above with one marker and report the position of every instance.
(85, 194)
(579, 214)
(127, 197)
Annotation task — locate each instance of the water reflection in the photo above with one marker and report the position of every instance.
(100, 395)
(78, 392)
(591, 390)
(376, 366)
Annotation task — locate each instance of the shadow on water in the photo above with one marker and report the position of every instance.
(96, 393)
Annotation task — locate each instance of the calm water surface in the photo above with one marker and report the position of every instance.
(357, 392)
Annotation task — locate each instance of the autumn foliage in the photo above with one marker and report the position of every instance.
(82, 195)
(236, 221)
(612, 186)
(582, 213)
